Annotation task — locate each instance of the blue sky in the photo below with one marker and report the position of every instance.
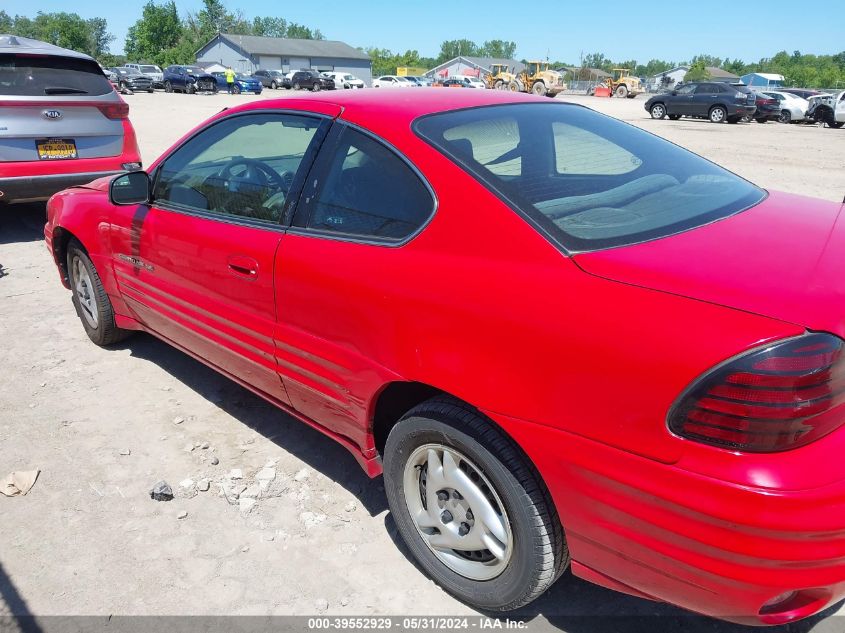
(673, 31)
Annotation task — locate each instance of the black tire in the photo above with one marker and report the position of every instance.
(734, 119)
(621, 91)
(168, 87)
(190, 88)
(499, 85)
(538, 548)
(657, 111)
(762, 120)
(316, 87)
(674, 117)
(539, 89)
(236, 89)
(717, 114)
(105, 332)
(151, 91)
(785, 116)
(274, 85)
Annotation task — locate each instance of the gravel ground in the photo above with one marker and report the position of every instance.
(314, 535)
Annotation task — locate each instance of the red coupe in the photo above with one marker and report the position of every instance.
(565, 342)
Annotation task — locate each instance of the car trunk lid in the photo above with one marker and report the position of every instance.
(783, 258)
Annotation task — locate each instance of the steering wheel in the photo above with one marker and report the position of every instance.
(256, 173)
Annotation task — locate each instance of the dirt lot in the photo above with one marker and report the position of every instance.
(105, 425)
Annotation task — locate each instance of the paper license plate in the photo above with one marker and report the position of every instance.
(56, 149)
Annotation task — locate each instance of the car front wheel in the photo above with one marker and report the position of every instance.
(89, 298)
(273, 85)
(658, 111)
(470, 508)
(168, 87)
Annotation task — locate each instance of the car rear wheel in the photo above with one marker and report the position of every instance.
(168, 87)
(718, 114)
(658, 111)
(89, 298)
(470, 508)
(785, 116)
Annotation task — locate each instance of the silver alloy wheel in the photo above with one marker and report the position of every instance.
(85, 292)
(717, 115)
(658, 111)
(457, 512)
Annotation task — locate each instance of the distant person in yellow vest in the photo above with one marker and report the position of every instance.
(230, 79)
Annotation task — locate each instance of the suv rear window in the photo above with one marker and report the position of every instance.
(37, 76)
(586, 180)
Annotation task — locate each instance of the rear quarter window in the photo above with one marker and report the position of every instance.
(38, 76)
(585, 180)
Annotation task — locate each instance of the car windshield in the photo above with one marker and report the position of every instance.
(40, 76)
(150, 69)
(586, 180)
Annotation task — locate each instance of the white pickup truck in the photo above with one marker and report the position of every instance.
(828, 108)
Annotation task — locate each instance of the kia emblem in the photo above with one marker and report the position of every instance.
(53, 114)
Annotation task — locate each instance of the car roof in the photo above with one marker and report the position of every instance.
(18, 44)
(375, 106)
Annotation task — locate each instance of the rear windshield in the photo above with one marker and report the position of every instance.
(37, 76)
(587, 180)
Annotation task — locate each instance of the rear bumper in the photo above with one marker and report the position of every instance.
(710, 546)
(35, 188)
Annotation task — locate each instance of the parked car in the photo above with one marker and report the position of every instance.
(62, 124)
(311, 80)
(393, 81)
(451, 82)
(150, 70)
(716, 101)
(269, 78)
(188, 79)
(828, 109)
(686, 448)
(242, 83)
(129, 79)
(793, 107)
(425, 82)
(286, 80)
(345, 80)
(768, 108)
(801, 92)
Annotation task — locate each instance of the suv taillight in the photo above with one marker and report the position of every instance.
(115, 110)
(774, 398)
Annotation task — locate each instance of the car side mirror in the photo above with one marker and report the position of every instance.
(130, 188)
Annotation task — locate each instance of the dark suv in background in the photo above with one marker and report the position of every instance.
(311, 80)
(131, 79)
(188, 79)
(716, 101)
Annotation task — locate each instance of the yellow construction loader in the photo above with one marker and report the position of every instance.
(622, 84)
(538, 79)
(499, 77)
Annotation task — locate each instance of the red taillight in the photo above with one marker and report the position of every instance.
(118, 110)
(771, 399)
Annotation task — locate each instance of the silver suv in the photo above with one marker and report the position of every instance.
(62, 124)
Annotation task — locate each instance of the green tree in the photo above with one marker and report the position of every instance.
(158, 30)
(697, 72)
(6, 22)
(269, 27)
(455, 48)
(301, 32)
(498, 48)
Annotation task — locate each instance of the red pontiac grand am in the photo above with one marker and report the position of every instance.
(565, 342)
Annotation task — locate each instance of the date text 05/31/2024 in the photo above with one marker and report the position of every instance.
(422, 623)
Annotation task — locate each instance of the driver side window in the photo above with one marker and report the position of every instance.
(241, 166)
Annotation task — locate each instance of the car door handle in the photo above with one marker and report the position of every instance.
(243, 266)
